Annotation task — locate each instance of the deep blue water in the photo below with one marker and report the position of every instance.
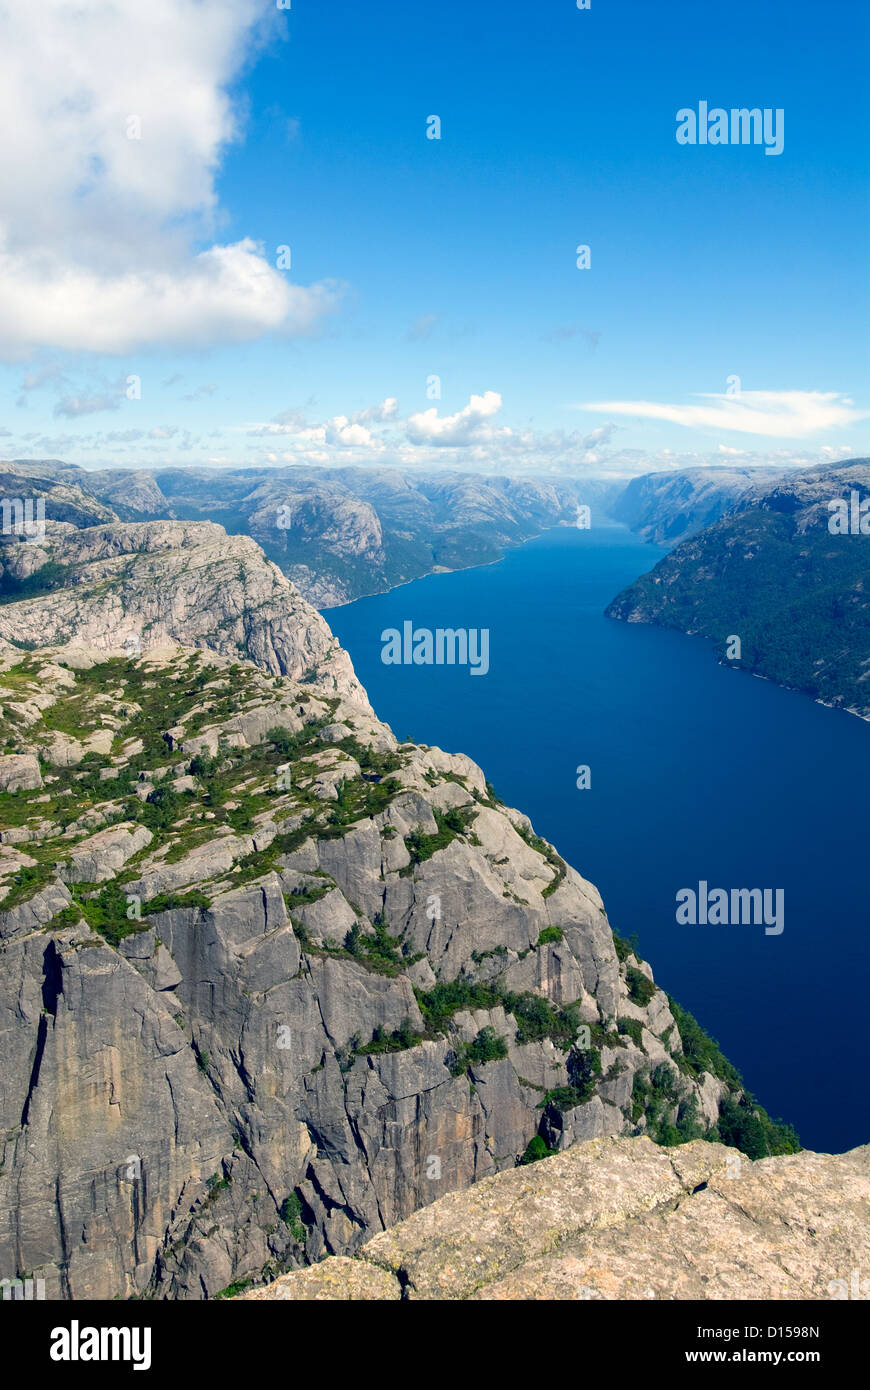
(698, 772)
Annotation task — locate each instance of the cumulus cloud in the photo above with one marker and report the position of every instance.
(387, 410)
(120, 116)
(467, 426)
(342, 431)
(775, 414)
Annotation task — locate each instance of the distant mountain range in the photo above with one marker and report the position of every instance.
(337, 533)
(768, 571)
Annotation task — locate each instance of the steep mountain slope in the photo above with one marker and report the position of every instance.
(269, 980)
(667, 508)
(619, 1218)
(775, 576)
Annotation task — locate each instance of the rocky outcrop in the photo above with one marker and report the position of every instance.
(132, 587)
(19, 772)
(622, 1219)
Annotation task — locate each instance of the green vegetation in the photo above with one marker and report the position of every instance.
(165, 902)
(399, 1040)
(700, 1052)
(290, 1213)
(535, 1017)
(371, 763)
(105, 909)
(48, 578)
(25, 883)
(745, 1125)
(654, 1095)
(358, 799)
(488, 1046)
(379, 951)
(306, 895)
(233, 1290)
(640, 987)
(450, 824)
(550, 934)
(536, 1150)
(799, 606)
(631, 1028)
(553, 859)
(584, 1067)
(439, 1004)
(626, 946)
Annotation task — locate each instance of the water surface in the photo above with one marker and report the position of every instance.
(698, 772)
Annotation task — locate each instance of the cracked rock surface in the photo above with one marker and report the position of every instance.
(621, 1218)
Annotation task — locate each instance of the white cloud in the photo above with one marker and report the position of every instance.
(347, 434)
(95, 227)
(467, 426)
(779, 414)
(342, 431)
(387, 410)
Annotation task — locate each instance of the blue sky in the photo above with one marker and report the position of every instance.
(453, 258)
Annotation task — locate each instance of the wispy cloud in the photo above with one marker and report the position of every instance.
(774, 414)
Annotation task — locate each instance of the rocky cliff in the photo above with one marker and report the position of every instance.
(271, 981)
(619, 1218)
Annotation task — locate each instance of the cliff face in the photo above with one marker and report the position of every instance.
(270, 981)
(776, 576)
(619, 1218)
